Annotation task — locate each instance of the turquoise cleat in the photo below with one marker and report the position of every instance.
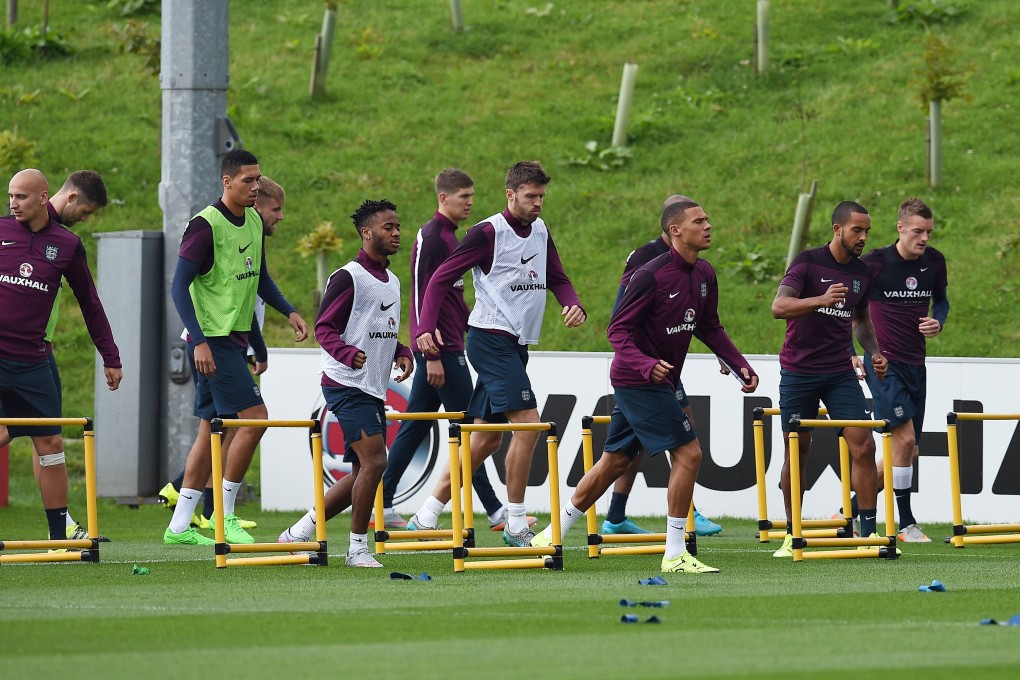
(703, 526)
(627, 526)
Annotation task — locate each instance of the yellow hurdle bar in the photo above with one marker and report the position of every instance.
(885, 546)
(961, 531)
(317, 549)
(776, 528)
(460, 469)
(595, 539)
(80, 550)
(423, 538)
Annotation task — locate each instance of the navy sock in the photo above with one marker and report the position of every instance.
(56, 519)
(869, 523)
(617, 508)
(903, 505)
(209, 506)
(178, 482)
(854, 507)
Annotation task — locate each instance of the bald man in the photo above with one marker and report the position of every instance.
(616, 521)
(35, 252)
(82, 195)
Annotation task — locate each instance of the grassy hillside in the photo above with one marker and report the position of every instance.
(407, 97)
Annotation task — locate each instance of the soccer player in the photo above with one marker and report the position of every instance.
(513, 260)
(824, 299)
(441, 378)
(82, 195)
(909, 277)
(357, 330)
(668, 301)
(269, 205)
(616, 521)
(35, 252)
(221, 269)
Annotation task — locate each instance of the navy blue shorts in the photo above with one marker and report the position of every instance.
(503, 384)
(799, 394)
(231, 388)
(649, 418)
(681, 395)
(356, 412)
(900, 397)
(28, 390)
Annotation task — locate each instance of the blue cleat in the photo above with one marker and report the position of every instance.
(703, 526)
(627, 526)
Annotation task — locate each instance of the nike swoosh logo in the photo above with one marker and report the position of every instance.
(241, 250)
(526, 261)
(11, 243)
(383, 308)
(673, 295)
(924, 269)
(826, 280)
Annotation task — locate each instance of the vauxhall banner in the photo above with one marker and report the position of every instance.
(571, 385)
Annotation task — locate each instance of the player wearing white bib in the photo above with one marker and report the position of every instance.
(513, 261)
(357, 329)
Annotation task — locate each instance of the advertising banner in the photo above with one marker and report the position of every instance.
(571, 385)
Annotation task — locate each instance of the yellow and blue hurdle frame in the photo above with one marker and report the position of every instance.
(973, 533)
(818, 528)
(314, 552)
(74, 550)
(882, 546)
(529, 557)
(423, 539)
(655, 543)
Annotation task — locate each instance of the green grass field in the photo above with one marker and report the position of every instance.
(761, 617)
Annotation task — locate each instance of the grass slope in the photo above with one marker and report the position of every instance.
(760, 617)
(407, 97)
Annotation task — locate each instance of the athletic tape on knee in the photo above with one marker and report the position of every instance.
(52, 459)
(902, 477)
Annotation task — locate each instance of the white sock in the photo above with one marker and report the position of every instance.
(230, 490)
(568, 516)
(675, 535)
(518, 519)
(359, 544)
(68, 520)
(902, 477)
(387, 511)
(497, 517)
(184, 509)
(304, 528)
(429, 512)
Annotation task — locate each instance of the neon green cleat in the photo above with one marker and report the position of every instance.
(78, 533)
(168, 495)
(868, 547)
(200, 522)
(686, 564)
(232, 530)
(187, 537)
(246, 523)
(787, 548)
(540, 540)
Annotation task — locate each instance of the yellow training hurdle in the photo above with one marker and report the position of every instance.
(423, 539)
(81, 550)
(597, 540)
(529, 557)
(317, 547)
(816, 528)
(988, 533)
(883, 546)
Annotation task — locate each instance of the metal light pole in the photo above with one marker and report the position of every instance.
(195, 133)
